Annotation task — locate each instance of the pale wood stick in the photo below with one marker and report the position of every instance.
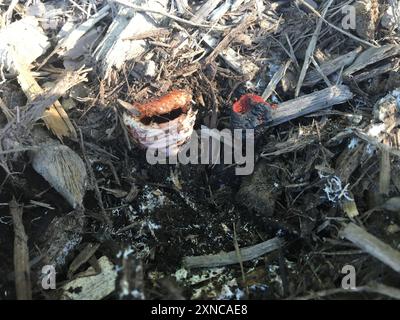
(310, 103)
(372, 245)
(227, 258)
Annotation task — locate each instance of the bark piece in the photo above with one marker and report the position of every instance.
(24, 37)
(276, 78)
(61, 238)
(93, 287)
(63, 169)
(371, 56)
(114, 50)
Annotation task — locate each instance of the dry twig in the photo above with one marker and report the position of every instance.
(227, 258)
(21, 254)
(372, 245)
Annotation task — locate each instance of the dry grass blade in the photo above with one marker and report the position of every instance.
(239, 256)
(93, 181)
(276, 78)
(9, 115)
(385, 173)
(319, 70)
(337, 28)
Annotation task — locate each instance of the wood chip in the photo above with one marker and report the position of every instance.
(224, 43)
(35, 109)
(276, 78)
(205, 10)
(63, 169)
(93, 287)
(83, 257)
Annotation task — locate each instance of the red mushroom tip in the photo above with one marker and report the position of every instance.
(247, 102)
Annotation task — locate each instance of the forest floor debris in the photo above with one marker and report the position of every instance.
(82, 82)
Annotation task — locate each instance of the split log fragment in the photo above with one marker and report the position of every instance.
(92, 287)
(63, 169)
(310, 103)
(371, 56)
